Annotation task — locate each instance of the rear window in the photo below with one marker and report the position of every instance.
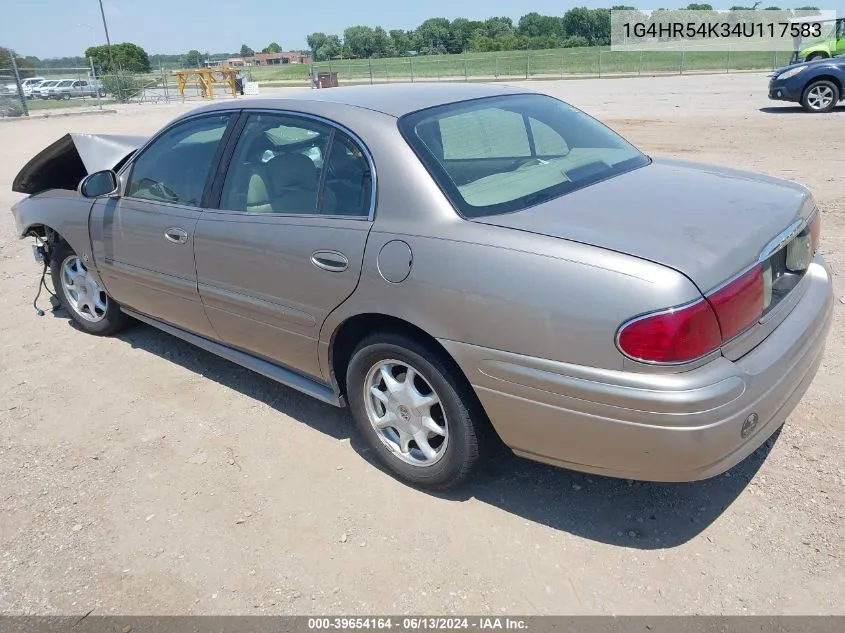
(504, 154)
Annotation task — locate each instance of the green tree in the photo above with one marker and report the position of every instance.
(25, 67)
(193, 58)
(246, 51)
(536, 25)
(272, 47)
(125, 56)
(434, 35)
(401, 41)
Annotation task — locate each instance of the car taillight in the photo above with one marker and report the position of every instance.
(673, 336)
(740, 303)
(695, 330)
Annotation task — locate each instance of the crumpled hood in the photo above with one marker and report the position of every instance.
(63, 164)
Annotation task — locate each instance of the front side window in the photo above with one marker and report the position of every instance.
(284, 164)
(503, 154)
(175, 167)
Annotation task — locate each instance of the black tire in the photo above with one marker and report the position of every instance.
(465, 420)
(815, 56)
(113, 320)
(66, 96)
(821, 84)
(102, 93)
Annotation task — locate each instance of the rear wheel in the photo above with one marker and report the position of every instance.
(82, 296)
(820, 96)
(414, 410)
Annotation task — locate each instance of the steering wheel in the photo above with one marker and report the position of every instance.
(160, 190)
(529, 162)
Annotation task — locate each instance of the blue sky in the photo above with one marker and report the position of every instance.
(50, 28)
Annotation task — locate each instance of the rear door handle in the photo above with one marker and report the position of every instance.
(330, 260)
(176, 235)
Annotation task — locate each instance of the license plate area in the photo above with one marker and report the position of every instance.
(784, 269)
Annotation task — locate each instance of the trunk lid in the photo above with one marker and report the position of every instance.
(704, 221)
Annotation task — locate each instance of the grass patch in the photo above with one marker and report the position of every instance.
(52, 104)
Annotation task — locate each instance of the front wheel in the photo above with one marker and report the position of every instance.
(66, 96)
(415, 410)
(820, 96)
(82, 296)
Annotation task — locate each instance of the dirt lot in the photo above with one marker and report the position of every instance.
(140, 475)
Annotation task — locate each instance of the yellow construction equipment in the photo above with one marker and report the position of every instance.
(206, 78)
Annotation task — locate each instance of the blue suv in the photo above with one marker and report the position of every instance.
(817, 85)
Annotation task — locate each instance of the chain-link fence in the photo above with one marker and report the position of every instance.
(554, 64)
(50, 88)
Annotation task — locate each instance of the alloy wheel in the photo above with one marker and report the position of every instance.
(406, 413)
(84, 295)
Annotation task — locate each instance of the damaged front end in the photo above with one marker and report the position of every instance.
(53, 211)
(66, 162)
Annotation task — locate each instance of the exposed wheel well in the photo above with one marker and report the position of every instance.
(46, 234)
(829, 78)
(354, 329)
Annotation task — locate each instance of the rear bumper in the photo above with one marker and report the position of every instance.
(654, 427)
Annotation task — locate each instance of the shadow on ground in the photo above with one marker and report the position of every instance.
(793, 110)
(625, 513)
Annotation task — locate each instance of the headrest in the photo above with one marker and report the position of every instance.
(292, 170)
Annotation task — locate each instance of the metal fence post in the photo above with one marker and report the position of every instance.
(95, 82)
(527, 63)
(561, 65)
(411, 63)
(370, 59)
(21, 95)
(600, 63)
(466, 71)
(728, 65)
(437, 66)
(681, 67)
(640, 69)
(164, 84)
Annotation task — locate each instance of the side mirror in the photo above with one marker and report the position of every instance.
(100, 183)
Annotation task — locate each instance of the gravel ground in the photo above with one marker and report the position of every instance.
(139, 475)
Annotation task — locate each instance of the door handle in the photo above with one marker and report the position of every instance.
(176, 235)
(330, 260)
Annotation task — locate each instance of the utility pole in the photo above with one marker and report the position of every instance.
(108, 40)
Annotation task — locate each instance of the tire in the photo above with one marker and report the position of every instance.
(457, 411)
(101, 93)
(66, 96)
(820, 96)
(815, 56)
(103, 322)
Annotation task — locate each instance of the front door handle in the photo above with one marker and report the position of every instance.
(330, 260)
(176, 235)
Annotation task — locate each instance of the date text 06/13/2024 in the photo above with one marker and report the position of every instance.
(417, 623)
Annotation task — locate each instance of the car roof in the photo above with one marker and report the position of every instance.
(392, 99)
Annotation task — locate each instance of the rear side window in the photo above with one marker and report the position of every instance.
(503, 154)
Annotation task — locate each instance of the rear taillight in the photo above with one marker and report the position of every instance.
(695, 330)
(739, 303)
(673, 336)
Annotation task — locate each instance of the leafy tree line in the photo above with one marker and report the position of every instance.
(579, 26)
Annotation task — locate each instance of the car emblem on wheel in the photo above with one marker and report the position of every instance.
(404, 412)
